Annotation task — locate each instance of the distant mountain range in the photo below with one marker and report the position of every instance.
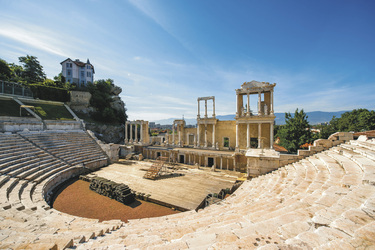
(314, 117)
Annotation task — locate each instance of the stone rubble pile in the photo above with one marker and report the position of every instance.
(119, 192)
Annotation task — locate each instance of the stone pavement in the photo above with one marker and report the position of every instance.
(186, 190)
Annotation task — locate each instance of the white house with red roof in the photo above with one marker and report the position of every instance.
(78, 72)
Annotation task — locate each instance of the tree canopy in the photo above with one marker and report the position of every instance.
(32, 70)
(356, 120)
(295, 132)
(101, 100)
(5, 71)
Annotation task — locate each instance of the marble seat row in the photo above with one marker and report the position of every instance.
(324, 201)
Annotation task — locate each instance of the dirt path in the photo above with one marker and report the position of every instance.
(77, 199)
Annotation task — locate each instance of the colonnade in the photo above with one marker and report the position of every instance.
(260, 144)
(262, 106)
(179, 126)
(130, 138)
(220, 161)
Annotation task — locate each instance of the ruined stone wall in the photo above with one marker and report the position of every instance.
(14, 124)
(79, 100)
(226, 129)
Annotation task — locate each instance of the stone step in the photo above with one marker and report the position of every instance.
(14, 195)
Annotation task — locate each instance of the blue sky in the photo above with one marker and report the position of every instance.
(165, 54)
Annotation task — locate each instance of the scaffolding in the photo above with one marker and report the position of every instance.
(157, 169)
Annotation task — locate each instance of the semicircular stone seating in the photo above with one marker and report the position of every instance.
(325, 201)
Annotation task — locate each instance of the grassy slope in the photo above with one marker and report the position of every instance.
(9, 108)
(51, 111)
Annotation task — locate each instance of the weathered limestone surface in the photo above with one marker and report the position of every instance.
(31, 165)
(325, 201)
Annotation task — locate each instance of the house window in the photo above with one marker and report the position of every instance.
(88, 67)
(88, 74)
(226, 142)
(69, 73)
(82, 74)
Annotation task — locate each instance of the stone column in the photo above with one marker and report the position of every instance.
(259, 134)
(205, 108)
(205, 135)
(199, 115)
(173, 133)
(234, 163)
(259, 103)
(213, 115)
(221, 162)
(198, 137)
(227, 163)
(237, 137)
(213, 136)
(248, 136)
(136, 132)
(248, 104)
(179, 134)
(131, 132)
(271, 102)
(126, 132)
(141, 132)
(271, 136)
(238, 113)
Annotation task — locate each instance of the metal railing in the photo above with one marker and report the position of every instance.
(13, 88)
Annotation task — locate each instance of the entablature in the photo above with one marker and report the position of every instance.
(254, 87)
(207, 120)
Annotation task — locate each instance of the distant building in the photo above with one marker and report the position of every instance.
(78, 72)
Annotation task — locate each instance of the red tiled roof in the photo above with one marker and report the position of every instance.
(279, 148)
(369, 134)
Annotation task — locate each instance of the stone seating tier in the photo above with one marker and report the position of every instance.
(71, 147)
(319, 202)
(26, 219)
(324, 201)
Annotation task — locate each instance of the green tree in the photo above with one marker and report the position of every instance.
(295, 132)
(32, 70)
(326, 130)
(17, 72)
(101, 100)
(356, 120)
(5, 71)
(60, 81)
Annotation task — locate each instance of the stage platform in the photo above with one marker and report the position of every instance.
(186, 191)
